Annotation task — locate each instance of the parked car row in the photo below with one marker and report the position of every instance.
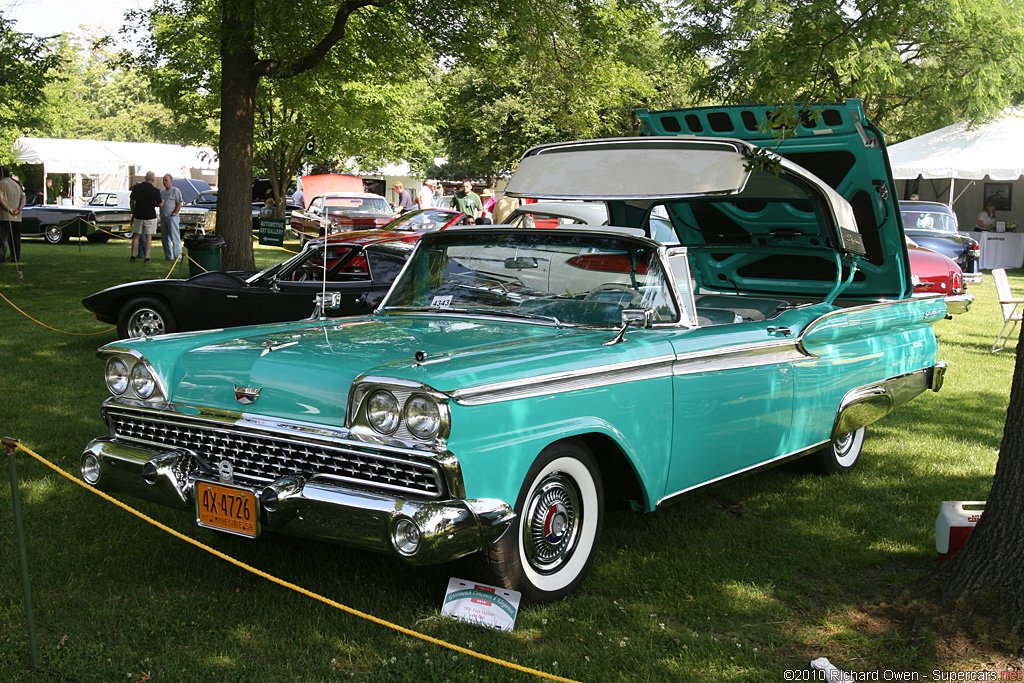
(106, 214)
(514, 383)
(934, 226)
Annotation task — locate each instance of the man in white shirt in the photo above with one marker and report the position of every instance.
(425, 197)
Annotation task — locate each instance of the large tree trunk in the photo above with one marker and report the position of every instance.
(239, 78)
(992, 559)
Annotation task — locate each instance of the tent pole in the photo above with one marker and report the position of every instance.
(951, 183)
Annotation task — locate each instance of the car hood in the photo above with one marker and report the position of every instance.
(310, 366)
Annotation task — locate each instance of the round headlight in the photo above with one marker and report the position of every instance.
(383, 412)
(422, 416)
(116, 376)
(143, 383)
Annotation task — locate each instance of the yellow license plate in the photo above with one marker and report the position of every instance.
(227, 508)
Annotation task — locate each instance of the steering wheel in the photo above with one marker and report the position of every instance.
(617, 287)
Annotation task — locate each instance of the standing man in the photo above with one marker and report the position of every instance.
(12, 201)
(467, 201)
(145, 199)
(170, 224)
(425, 197)
(403, 202)
(51, 194)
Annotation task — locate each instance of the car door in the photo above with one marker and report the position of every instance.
(291, 295)
(733, 388)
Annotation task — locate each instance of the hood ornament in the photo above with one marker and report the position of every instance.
(272, 345)
(246, 395)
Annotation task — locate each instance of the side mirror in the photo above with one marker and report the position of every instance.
(631, 317)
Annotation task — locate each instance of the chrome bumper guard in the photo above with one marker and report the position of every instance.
(866, 405)
(960, 303)
(313, 508)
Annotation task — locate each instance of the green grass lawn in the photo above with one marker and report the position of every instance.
(737, 582)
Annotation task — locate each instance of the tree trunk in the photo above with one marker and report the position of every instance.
(239, 79)
(992, 559)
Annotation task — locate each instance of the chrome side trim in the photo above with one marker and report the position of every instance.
(561, 382)
(713, 360)
(735, 357)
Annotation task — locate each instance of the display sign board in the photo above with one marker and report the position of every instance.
(481, 604)
(272, 232)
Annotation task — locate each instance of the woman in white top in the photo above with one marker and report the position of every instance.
(987, 218)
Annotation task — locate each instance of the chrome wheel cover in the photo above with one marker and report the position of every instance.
(54, 234)
(146, 322)
(551, 523)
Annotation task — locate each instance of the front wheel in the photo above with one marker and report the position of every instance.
(144, 317)
(55, 235)
(841, 455)
(548, 550)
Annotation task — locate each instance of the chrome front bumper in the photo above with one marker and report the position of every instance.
(959, 303)
(315, 508)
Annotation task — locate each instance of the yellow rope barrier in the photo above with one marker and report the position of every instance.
(289, 585)
(73, 334)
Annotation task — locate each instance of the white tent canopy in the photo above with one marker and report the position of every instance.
(89, 157)
(995, 150)
(111, 165)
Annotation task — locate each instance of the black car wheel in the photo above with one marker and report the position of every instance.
(98, 237)
(145, 317)
(549, 548)
(55, 235)
(841, 455)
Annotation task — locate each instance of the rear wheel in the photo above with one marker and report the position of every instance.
(97, 237)
(145, 317)
(841, 455)
(551, 545)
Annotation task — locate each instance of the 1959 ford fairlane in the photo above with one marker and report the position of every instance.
(515, 381)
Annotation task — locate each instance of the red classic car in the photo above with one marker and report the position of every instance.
(933, 273)
(335, 203)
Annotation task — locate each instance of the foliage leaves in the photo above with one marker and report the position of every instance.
(916, 65)
(27, 63)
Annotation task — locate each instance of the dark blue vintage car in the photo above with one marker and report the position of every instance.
(934, 226)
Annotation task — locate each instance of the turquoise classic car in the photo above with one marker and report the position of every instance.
(514, 382)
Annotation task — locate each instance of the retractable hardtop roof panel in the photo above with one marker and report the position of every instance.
(834, 143)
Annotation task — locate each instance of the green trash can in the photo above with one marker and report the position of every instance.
(203, 253)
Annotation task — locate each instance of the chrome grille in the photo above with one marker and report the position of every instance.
(264, 457)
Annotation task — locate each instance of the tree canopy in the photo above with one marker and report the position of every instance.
(561, 71)
(27, 65)
(916, 65)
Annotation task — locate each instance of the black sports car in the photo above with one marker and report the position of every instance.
(360, 268)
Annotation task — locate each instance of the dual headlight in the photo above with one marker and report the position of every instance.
(399, 411)
(130, 376)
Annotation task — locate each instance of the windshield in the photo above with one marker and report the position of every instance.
(928, 220)
(374, 206)
(568, 278)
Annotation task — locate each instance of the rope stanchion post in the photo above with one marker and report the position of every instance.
(19, 534)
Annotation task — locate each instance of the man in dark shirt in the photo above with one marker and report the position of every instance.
(145, 199)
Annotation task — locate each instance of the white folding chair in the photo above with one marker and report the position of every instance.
(1011, 308)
